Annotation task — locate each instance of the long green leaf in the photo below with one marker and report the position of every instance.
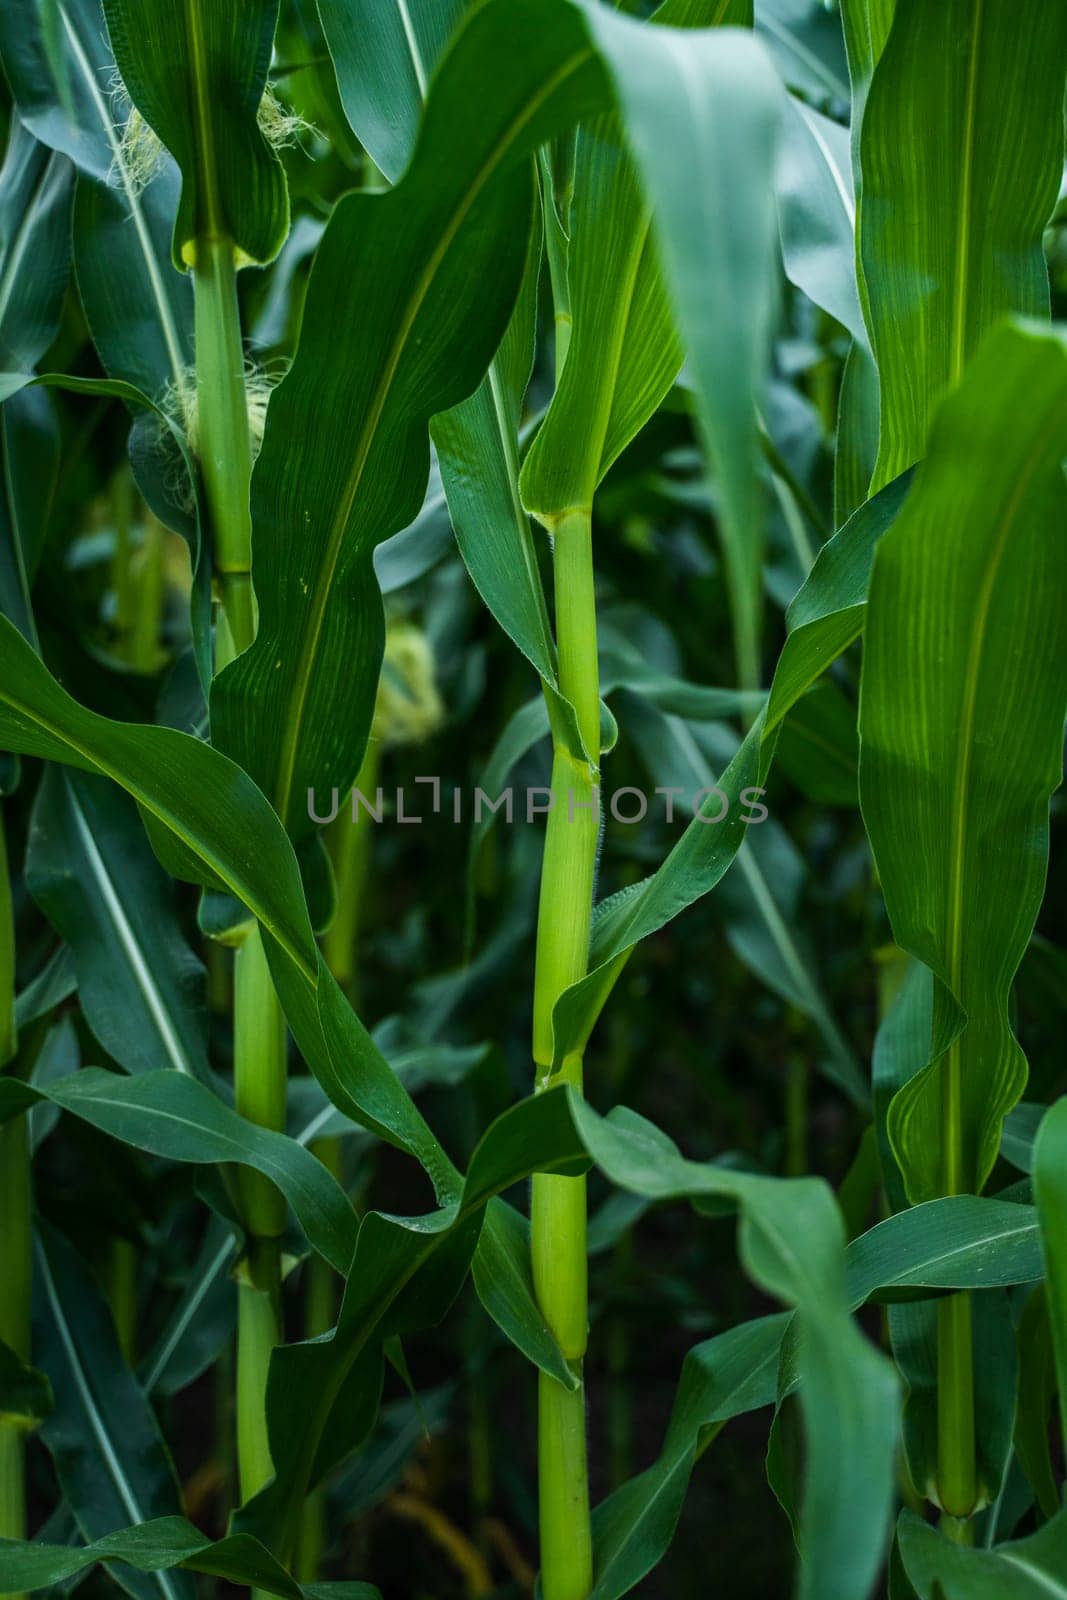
(91, 871)
(437, 264)
(961, 725)
(36, 190)
(1050, 1192)
(210, 824)
(701, 110)
(623, 352)
(384, 57)
(790, 1243)
(733, 1373)
(109, 1454)
(169, 1115)
(161, 1545)
(1026, 1569)
(961, 156)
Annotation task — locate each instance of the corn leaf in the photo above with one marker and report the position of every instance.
(197, 74)
(36, 192)
(721, 1378)
(961, 155)
(162, 1545)
(209, 824)
(623, 352)
(105, 1443)
(961, 723)
(91, 871)
(439, 258)
(701, 110)
(817, 213)
(828, 611)
(959, 1242)
(1050, 1192)
(1024, 1569)
(384, 57)
(503, 1279)
(170, 1115)
(556, 1131)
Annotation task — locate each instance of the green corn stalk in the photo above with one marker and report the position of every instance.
(558, 1204)
(15, 1206)
(654, 147)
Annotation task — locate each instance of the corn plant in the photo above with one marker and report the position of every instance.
(628, 445)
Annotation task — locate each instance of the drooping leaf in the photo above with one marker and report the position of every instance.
(817, 213)
(160, 1546)
(707, 164)
(558, 1132)
(209, 823)
(503, 1277)
(961, 721)
(721, 1378)
(170, 1115)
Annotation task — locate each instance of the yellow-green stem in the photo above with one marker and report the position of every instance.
(320, 1314)
(957, 1476)
(222, 430)
(558, 1205)
(8, 1033)
(225, 452)
(258, 1077)
(15, 1236)
(258, 1306)
(15, 1260)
